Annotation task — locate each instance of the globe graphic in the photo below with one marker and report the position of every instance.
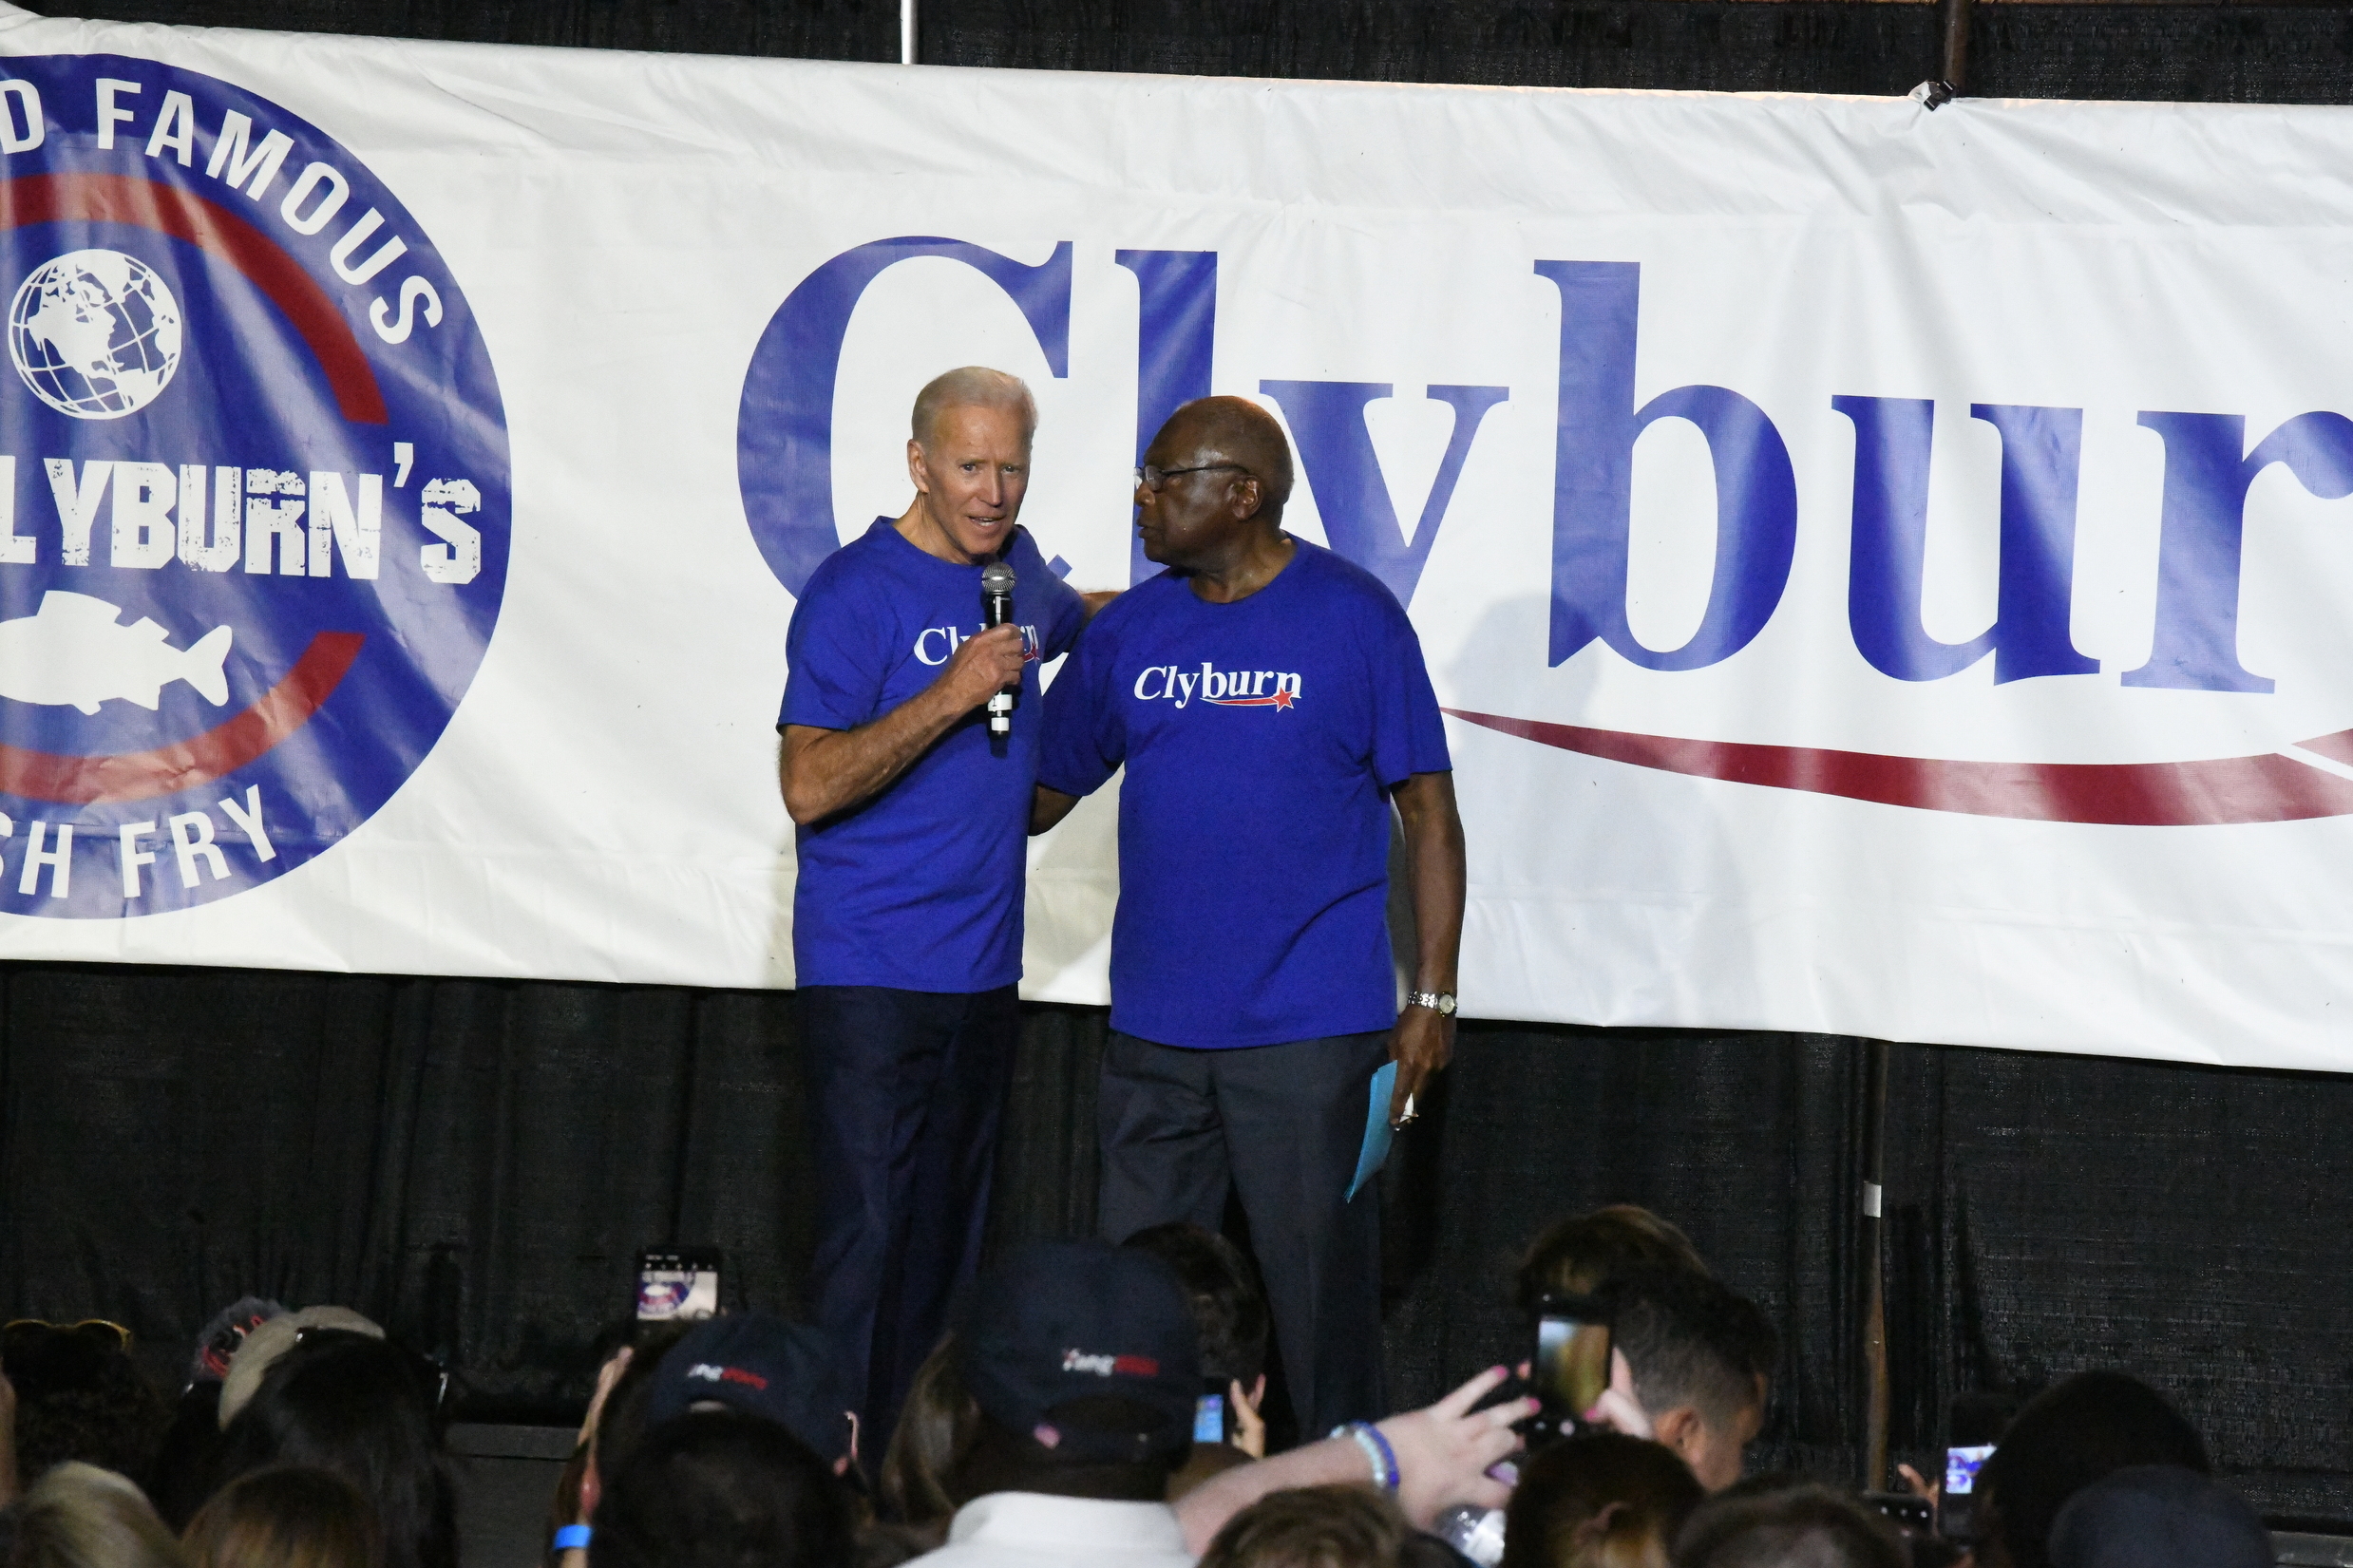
(95, 333)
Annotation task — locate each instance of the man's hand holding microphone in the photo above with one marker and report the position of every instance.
(983, 665)
(824, 770)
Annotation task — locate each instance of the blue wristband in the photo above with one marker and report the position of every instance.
(1377, 1451)
(573, 1537)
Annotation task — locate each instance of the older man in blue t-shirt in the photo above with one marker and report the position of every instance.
(906, 919)
(1269, 703)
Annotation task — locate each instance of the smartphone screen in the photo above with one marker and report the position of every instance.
(1570, 1368)
(1209, 1419)
(677, 1282)
(1957, 1508)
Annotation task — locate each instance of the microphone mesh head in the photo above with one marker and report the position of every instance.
(997, 578)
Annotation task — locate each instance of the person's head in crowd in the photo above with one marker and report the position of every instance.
(265, 1342)
(2067, 1437)
(1082, 1359)
(80, 1395)
(1578, 1254)
(1600, 1500)
(1792, 1527)
(722, 1489)
(1230, 1317)
(761, 1365)
(1311, 1527)
(78, 1515)
(219, 1341)
(2158, 1516)
(1701, 1356)
(286, 1515)
(937, 1427)
(367, 1410)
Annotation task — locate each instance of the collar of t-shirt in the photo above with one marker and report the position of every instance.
(1072, 1529)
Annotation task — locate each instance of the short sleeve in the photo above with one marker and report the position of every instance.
(1045, 601)
(1085, 741)
(1409, 732)
(836, 659)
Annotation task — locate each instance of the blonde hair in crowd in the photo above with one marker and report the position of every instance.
(287, 1516)
(78, 1515)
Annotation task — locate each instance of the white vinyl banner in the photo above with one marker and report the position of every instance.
(1888, 569)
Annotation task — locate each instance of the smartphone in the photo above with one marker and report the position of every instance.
(1570, 1369)
(677, 1282)
(1209, 1419)
(1957, 1506)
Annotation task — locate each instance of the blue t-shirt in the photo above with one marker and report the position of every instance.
(919, 886)
(1261, 739)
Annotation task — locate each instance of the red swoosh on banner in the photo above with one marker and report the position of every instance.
(219, 233)
(2267, 787)
(185, 765)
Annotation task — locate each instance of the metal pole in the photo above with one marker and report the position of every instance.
(1955, 17)
(1875, 1471)
(906, 31)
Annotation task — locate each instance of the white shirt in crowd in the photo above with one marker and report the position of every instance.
(1031, 1530)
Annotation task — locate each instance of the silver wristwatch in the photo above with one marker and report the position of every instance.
(1440, 1002)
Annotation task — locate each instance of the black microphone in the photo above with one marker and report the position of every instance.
(997, 581)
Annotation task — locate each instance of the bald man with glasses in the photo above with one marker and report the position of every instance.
(1269, 703)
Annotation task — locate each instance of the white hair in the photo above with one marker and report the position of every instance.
(972, 386)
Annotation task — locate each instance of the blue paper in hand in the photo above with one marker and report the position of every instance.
(1375, 1151)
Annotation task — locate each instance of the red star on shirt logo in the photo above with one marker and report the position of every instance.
(1283, 699)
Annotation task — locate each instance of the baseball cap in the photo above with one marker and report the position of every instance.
(759, 1365)
(268, 1341)
(1062, 1321)
(2158, 1516)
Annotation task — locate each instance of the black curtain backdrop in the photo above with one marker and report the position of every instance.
(2233, 53)
(476, 1163)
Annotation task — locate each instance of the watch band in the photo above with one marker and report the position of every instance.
(1440, 1002)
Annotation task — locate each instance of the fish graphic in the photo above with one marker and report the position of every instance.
(71, 650)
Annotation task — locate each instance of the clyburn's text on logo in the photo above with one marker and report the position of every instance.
(254, 504)
(1275, 688)
(936, 645)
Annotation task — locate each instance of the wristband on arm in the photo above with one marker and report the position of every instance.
(1377, 1451)
(573, 1538)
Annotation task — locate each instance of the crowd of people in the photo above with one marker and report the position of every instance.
(1058, 1421)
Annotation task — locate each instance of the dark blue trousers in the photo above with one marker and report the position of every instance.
(907, 1094)
(1282, 1126)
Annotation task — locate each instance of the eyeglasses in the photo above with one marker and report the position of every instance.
(97, 1330)
(1152, 479)
(39, 1356)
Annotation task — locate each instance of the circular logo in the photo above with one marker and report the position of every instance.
(95, 333)
(253, 491)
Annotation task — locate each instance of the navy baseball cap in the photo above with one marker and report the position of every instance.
(758, 1364)
(1063, 1321)
(2158, 1516)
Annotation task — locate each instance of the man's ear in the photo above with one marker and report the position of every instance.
(1680, 1429)
(916, 471)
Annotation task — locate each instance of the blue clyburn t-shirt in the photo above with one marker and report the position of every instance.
(919, 886)
(1261, 739)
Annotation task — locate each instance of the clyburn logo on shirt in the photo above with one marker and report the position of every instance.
(1275, 688)
(937, 644)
